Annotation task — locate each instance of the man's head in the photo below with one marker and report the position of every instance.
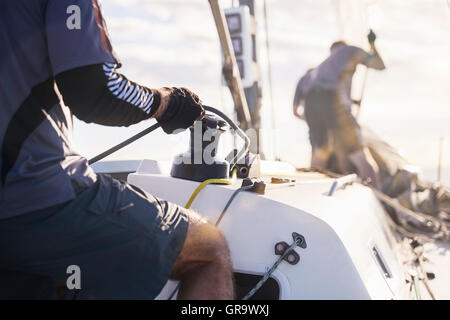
(337, 44)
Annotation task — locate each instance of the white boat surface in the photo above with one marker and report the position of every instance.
(352, 252)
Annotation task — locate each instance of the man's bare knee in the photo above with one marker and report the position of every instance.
(204, 244)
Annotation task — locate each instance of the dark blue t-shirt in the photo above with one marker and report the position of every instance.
(38, 40)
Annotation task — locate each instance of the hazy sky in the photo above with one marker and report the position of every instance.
(175, 43)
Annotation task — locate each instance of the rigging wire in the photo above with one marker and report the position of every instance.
(195, 194)
(269, 74)
(368, 26)
(235, 193)
(188, 206)
(424, 274)
(297, 242)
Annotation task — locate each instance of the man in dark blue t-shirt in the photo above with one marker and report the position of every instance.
(56, 59)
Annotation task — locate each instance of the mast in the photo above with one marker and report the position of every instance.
(253, 93)
(230, 68)
(245, 88)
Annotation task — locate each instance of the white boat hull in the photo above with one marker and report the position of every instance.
(344, 233)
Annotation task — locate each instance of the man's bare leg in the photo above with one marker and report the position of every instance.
(319, 158)
(366, 166)
(204, 266)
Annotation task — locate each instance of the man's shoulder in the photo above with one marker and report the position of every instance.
(351, 49)
(349, 53)
(306, 79)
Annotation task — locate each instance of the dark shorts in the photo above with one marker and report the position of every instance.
(331, 124)
(124, 240)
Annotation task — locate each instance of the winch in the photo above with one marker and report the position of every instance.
(200, 162)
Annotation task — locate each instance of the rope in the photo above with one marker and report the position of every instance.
(235, 193)
(416, 287)
(426, 225)
(363, 89)
(424, 274)
(191, 200)
(233, 196)
(201, 186)
(437, 228)
(267, 275)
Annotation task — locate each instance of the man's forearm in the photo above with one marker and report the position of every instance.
(375, 62)
(98, 94)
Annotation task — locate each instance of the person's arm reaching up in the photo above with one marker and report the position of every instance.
(373, 59)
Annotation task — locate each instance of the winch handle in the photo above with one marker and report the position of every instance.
(155, 126)
(124, 143)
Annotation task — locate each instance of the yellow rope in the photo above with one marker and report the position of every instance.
(201, 186)
(209, 181)
(194, 195)
(234, 174)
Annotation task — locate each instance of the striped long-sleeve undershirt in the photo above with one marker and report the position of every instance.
(97, 93)
(127, 90)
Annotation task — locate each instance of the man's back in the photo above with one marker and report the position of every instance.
(338, 68)
(336, 72)
(37, 160)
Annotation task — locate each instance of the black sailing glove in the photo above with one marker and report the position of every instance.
(184, 107)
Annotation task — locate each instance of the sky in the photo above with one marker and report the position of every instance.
(175, 43)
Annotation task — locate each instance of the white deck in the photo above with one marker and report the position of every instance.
(341, 231)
